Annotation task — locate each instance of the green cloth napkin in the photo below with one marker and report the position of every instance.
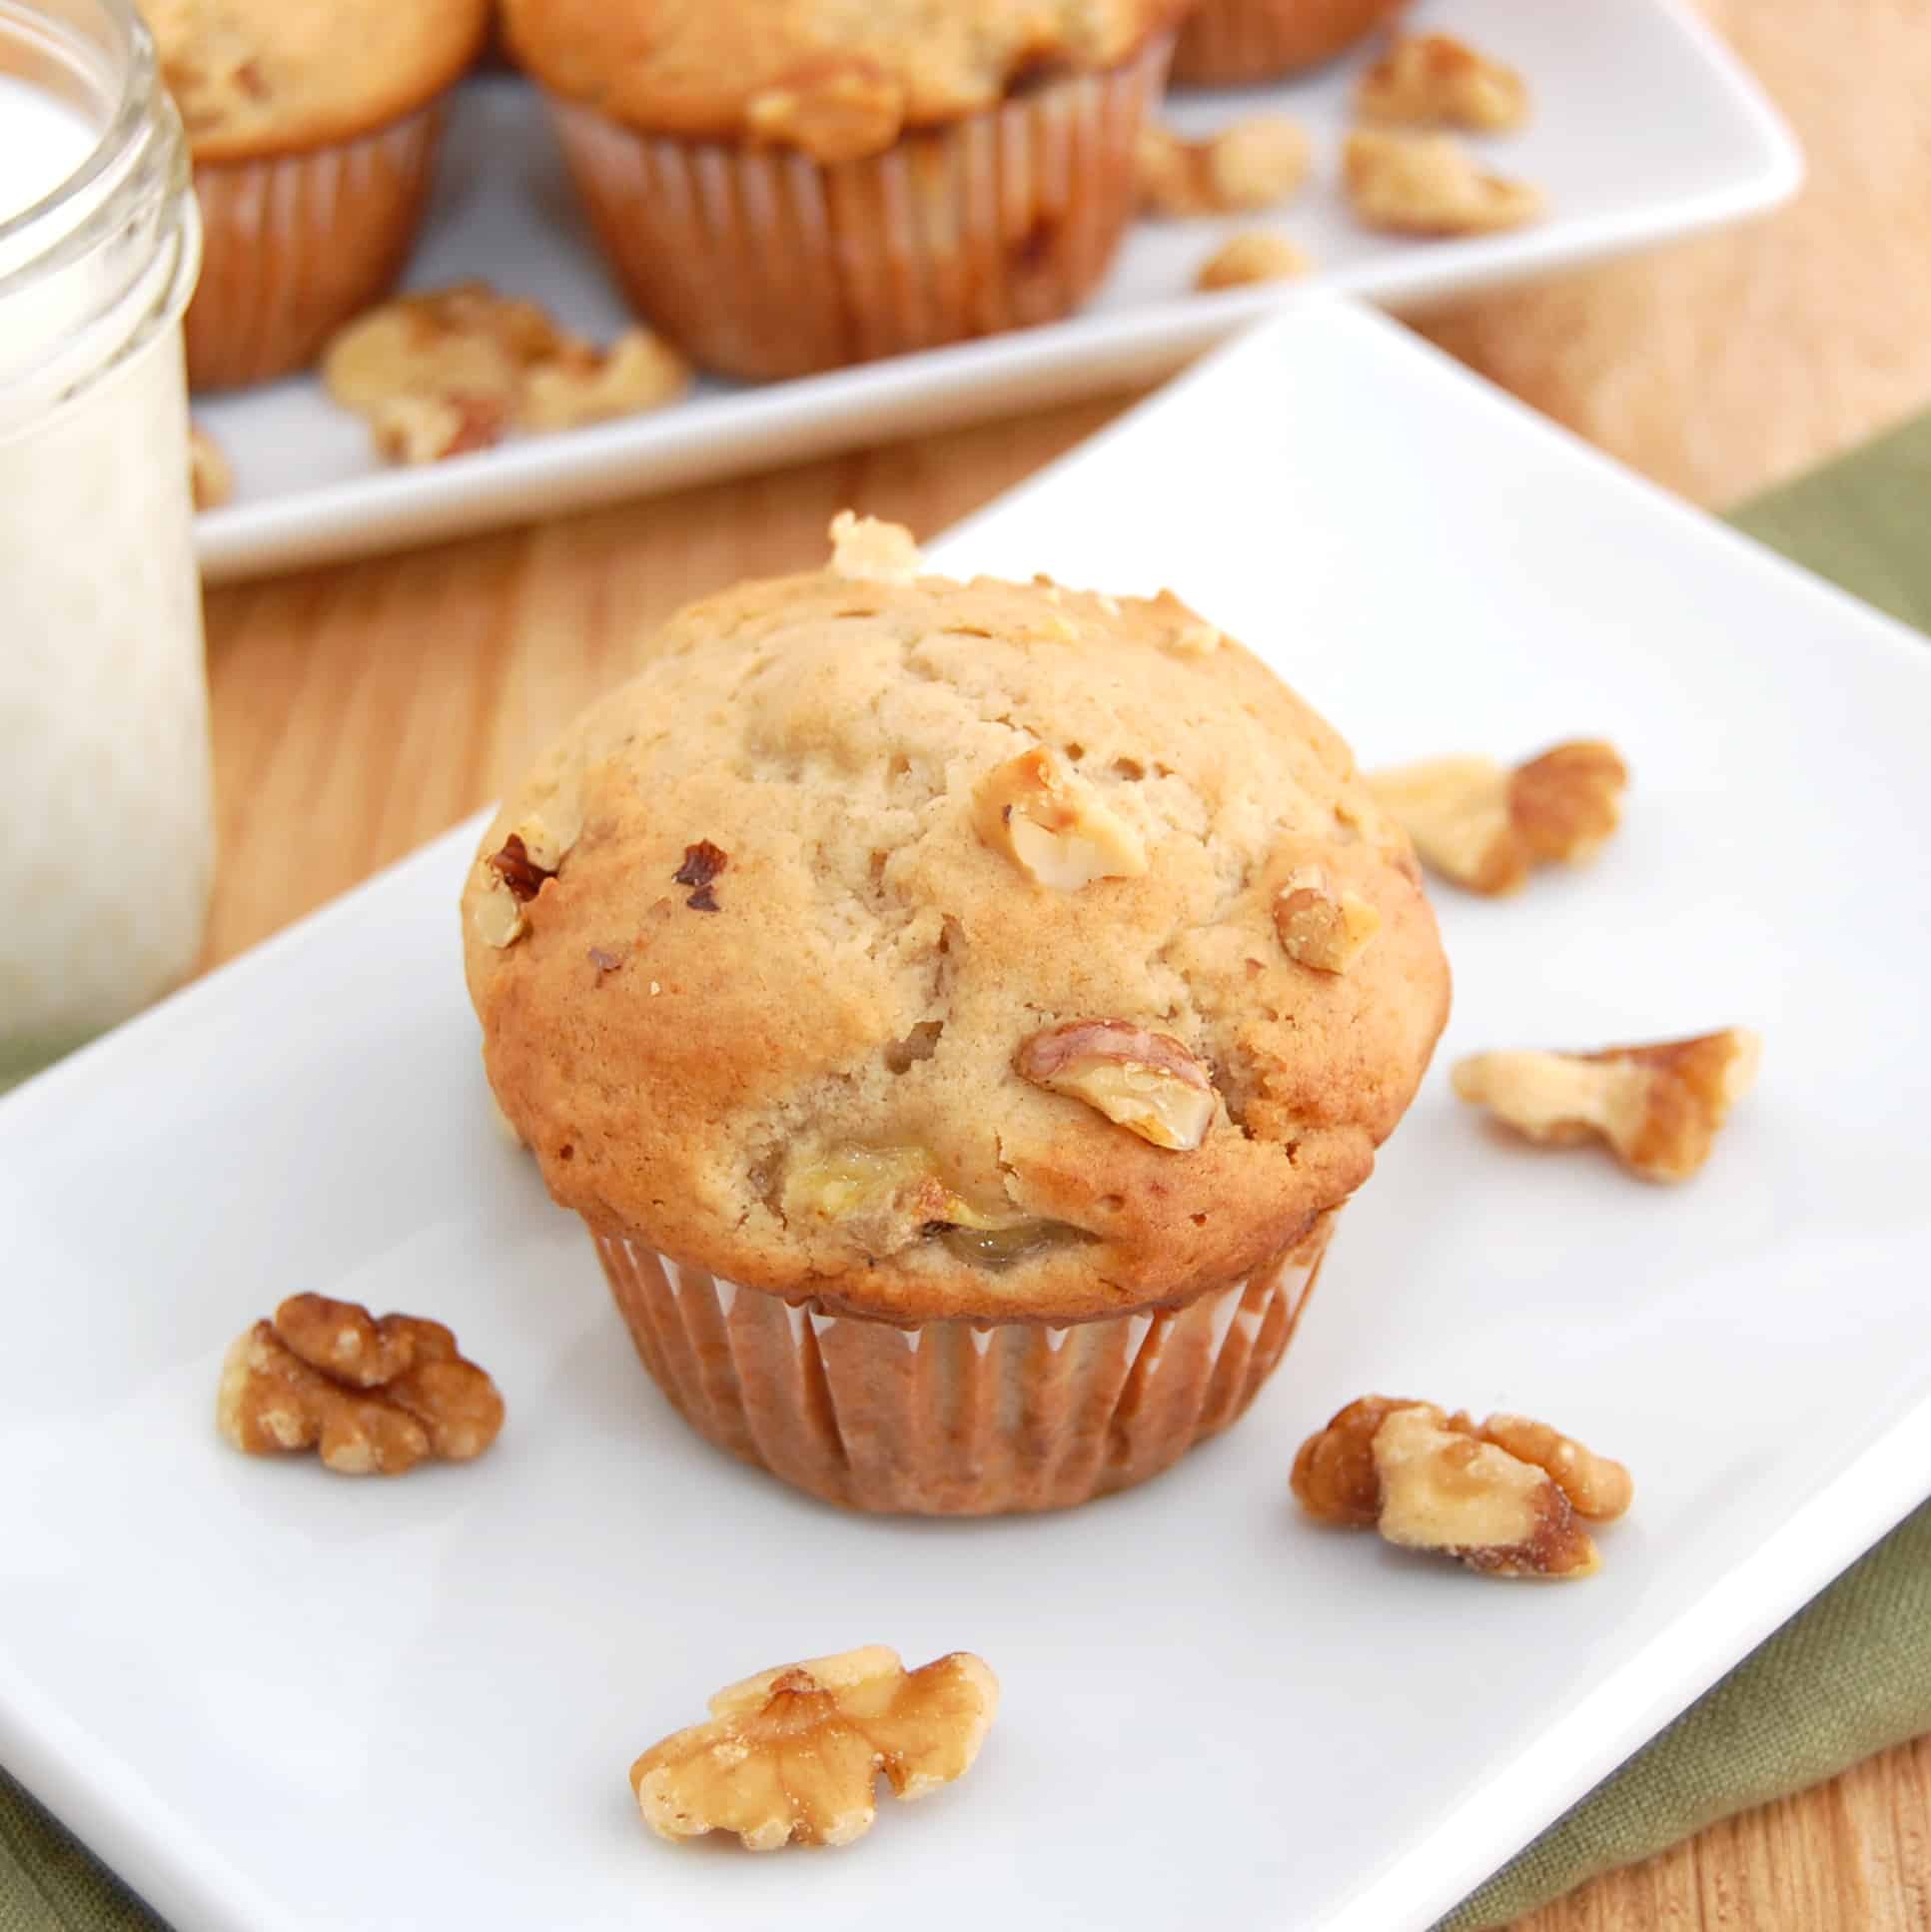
(1848, 1676)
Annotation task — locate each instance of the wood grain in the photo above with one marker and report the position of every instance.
(360, 711)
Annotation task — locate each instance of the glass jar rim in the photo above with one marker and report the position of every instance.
(136, 174)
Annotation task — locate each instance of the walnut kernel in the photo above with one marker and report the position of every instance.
(1428, 184)
(375, 1397)
(412, 431)
(1434, 80)
(1321, 925)
(793, 1755)
(1052, 825)
(1252, 257)
(1485, 827)
(210, 480)
(1254, 164)
(1658, 1107)
(1145, 1082)
(638, 373)
(1333, 1472)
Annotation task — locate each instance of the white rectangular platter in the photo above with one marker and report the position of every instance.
(1644, 128)
(280, 1700)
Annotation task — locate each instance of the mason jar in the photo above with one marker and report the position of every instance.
(106, 811)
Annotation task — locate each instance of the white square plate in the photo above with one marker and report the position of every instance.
(277, 1699)
(1646, 127)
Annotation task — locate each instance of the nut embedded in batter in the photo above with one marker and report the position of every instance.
(793, 1755)
(375, 1397)
(1146, 1082)
(1485, 827)
(1659, 1107)
(1321, 925)
(869, 551)
(1052, 825)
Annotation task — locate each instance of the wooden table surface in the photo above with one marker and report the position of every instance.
(359, 711)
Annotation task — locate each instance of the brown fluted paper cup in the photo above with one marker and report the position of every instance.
(955, 1418)
(760, 262)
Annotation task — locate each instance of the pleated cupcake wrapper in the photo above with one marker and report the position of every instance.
(955, 1418)
(760, 262)
(298, 244)
(1227, 43)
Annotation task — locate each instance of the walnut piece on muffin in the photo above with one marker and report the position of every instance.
(1436, 80)
(1250, 164)
(375, 1397)
(994, 1016)
(1660, 1108)
(1486, 826)
(1430, 185)
(1502, 1498)
(793, 1755)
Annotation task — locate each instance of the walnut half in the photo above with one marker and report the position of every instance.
(792, 1755)
(1146, 1082)
(1502, 1499)
(375, 1397)
(1485, 827)
(1658, 1107)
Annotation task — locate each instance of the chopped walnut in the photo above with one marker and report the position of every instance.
(1428, 184)
(638, 373)
(1250, 259)
(209, 480)
(1485, 827)
(530, 856)
(411, 431)
(459, 369)
(1145, 1082)
(1322, 926)
(868, 550)
(1658, 1107)
(1452, 1493)
(793, 1755)
(1252, 165)
(375, 1397)
(1051, 823)
(1434, 80)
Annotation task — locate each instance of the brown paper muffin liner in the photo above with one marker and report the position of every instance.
(955, 1418)
(298, 244)
(760, 262)
(1227, 43)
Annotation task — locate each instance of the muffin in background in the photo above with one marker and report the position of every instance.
(785, 189)
(958, 1012)
(313, 131)
(1232, 43)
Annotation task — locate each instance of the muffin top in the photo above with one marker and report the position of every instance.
(255, 78)
(935, 949)
(836, 78)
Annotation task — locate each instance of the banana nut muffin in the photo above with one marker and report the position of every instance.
(965, 961)
(788, 185)
(312, 129)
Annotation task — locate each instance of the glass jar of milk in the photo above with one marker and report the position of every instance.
(106, 816)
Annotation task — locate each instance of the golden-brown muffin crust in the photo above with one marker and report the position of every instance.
(255, 78)
(836, 78)
(776, 933)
